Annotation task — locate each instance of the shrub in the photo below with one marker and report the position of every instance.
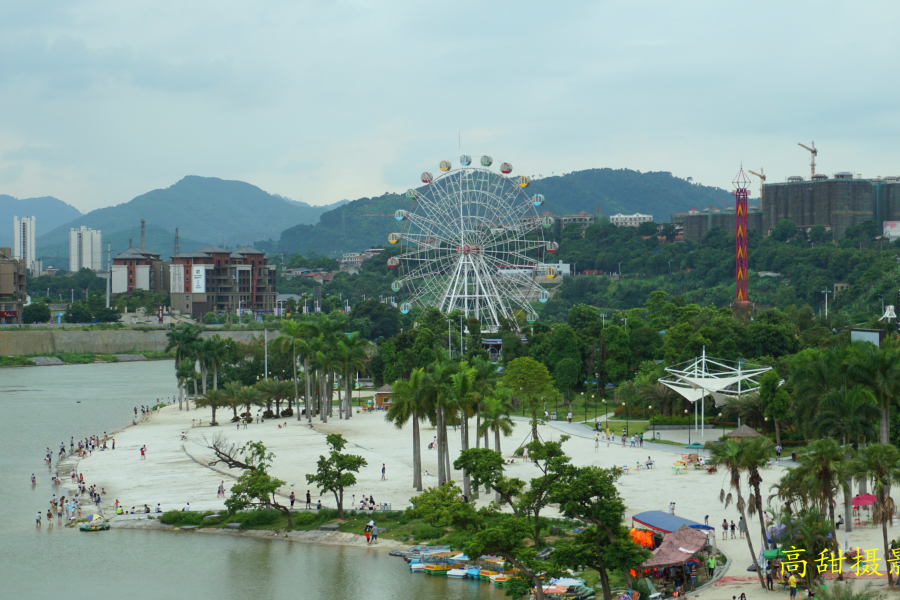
(256, 518)
(288, 412)
(306, 518)
(179, 518)
(519, 451)
(427, 532)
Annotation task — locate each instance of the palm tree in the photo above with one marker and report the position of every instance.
(232, 391)
(183, 372)
(213, 399)
(658, 395)
(485, 382)
(879, 370)
(821, 471)
(814, 373)
(272, 390)
(461, 391)
(293, 335)
(351, 356)
(881, 464)
(809, 529)
(733, 457)
(847, 412)
(214, 349)
(757, 453)
(496, 417)
(409, 402)
(847, 591)
(184, 341)
(438, 395)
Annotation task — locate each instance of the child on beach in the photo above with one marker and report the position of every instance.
(725, 529)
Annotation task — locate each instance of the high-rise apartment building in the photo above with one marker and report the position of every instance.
(85, 249)
(23, 241)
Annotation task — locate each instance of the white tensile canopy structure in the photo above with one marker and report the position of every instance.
(722, 379)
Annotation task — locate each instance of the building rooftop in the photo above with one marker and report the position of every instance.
(248, 250)
(192, 255)
(213, 250)
(136, 253)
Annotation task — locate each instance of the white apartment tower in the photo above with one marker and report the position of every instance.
(85, 249)
(23, 241)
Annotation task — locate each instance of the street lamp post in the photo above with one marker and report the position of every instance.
(652, 424)
(627, 422)
(723, 424)
(689, 428)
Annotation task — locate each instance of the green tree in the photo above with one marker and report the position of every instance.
(531, 384)
(409, 402)
(589, 494)
(352, 359)
(36, 312)
(106, 315)
(733, 457)
(184, 340)
(775, 401)
(879, 370)
(78, 312)
(566, 376)
(255, 486)
(880, 463)
(784, 230)
(295, 338)
(337, 471)
(214, 399)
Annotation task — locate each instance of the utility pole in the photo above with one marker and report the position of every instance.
(826, 291)
(108, 274)
(266, 346)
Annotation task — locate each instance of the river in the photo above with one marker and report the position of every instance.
(39, 408)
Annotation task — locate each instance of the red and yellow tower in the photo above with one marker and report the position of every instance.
(741, 193)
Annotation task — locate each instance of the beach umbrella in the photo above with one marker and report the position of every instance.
(94, 518)
(863, 500)
(743, 432)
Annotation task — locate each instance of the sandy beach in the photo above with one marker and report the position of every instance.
(175, 472)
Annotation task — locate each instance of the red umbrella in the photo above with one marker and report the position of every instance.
(863, 500)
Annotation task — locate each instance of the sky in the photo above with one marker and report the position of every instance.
(103, 100)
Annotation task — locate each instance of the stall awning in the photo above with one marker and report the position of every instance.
(677, 548)
(663, 522)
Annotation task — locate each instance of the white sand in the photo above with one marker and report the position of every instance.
(170, 476)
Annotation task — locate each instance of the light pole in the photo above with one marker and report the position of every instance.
(652, 424)
(826, 291)
(723, 424)
(689, 427)
(627, 422)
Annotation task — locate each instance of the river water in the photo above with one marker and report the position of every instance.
(39, 408)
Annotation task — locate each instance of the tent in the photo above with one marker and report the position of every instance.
(677, 548)
(663, 522)
(743, 432)
(863, 500)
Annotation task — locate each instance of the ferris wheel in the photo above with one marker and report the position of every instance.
(472, 241)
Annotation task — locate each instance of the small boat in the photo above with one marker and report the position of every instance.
(417, 567)
(95, 526)
(456, 573)
(485, 574)
(500, 579)
(474, 573)
(435, 569)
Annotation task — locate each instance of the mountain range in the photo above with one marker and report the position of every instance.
(367, 222)
(207, 209)
(50, 213)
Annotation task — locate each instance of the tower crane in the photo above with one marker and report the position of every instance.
(814, 153)
(762, 180)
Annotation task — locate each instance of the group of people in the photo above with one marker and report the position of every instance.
(60, 508)
(741, 527)
(364, 503)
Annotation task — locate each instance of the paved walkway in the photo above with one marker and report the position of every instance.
(585, 430)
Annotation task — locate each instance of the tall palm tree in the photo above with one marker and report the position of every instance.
(881, 464)
(462, 384)
(183, 372)
(757, 453)
(821, 469)
(232, 391)
(732, 456)
(215, 356)
(879, 370)
(351, 356)
(485, 382)
(848, 412)
(409, 403)
(213, 399)
(658, 395)
(814, 373)
(292, 338)
(272, 390)
(184, 341)
(496, 417)
(438, 396)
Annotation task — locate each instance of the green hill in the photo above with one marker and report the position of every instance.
(367, 222)
(214, 211)
(50, 212)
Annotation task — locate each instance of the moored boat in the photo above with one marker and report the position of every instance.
(456, 573)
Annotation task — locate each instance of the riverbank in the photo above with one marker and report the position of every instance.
(85, 358)
(177, 472)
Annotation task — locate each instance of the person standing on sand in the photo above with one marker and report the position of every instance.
(308, 500)
(143, 455)
(742, 527)
(38, 520)
(374, 534)
(382, 471)
(725, 529)
(221, 491)
(292, 497)
(732, 530)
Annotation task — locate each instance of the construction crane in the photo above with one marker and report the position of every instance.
(814, 152)
(762, 180)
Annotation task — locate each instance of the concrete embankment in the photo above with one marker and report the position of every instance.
(105, 341)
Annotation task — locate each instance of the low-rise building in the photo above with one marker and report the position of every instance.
(214, 279)
(139, 269)
(620, 220)
(12, 288)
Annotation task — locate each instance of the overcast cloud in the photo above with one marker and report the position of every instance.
(101, 101)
